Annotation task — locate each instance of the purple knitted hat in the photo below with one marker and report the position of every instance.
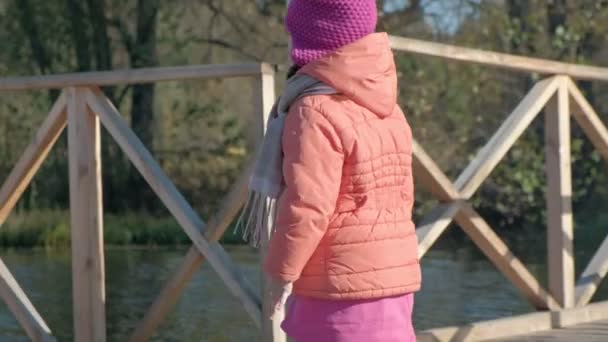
(320, 27)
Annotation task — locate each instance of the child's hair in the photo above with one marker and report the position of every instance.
(292, 71)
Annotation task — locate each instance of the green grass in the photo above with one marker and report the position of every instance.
(50, 228)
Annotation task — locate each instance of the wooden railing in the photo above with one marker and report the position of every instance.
(561, 99)
(83, 108)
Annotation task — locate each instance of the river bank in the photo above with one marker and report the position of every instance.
(51, 228)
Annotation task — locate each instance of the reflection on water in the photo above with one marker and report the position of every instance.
(460, 286)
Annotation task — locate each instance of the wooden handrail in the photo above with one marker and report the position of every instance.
(131, 76)
(500, 60)
(445, 51)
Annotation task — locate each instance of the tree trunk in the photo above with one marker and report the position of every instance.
(557, 14)
(26, 16)
(144, 55)
(399, 20)
(26, 19)
(115, 186)
(518, 11)
(79, 35)
(40, 55)
(101, 40)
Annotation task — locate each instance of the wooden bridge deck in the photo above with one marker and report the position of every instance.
(587, 332)
(578, 324)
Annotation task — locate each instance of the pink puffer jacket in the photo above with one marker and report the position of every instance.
(344, 226)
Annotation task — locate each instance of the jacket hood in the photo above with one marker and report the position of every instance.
(363, 71)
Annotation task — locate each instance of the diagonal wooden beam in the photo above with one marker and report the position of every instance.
(435, 223)
(13, 187)
(588, 120)
(429, 173)
(508, 133)
(501, 256)
(192, 224)
(22, 308)
(592, 276)
(472, 177)
(596, 131)
(176, 284)
(263, 99)
(32, 158)
(479, 231)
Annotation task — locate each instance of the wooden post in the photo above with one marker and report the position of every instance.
(86, 219)
(264, 97)
(559, 197)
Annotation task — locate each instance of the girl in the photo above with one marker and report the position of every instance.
(337, 160)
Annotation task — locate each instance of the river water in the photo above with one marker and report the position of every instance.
(460, 286)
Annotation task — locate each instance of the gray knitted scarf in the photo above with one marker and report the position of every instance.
(266, 183)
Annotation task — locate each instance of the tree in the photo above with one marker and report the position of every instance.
(197, 128)
(143, 54)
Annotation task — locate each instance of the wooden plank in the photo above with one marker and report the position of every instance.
(132, 76)
(596, 131)
(25, 312)
(429, 173)
(582, 324)
(176, 284)
(590, 332)
(175, 202)
(434, 224)
(593, 275)
(588, 313)
(559, 198)
(472, 177)
(263, 100)
(271, 328)
(32, 158)
(501, 256)
(482, 331)
(502, 141)
(499, 60)
(86, 214)
(588, 120)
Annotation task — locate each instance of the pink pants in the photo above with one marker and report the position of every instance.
(378, 320)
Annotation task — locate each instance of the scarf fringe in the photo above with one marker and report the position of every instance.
(257, 217)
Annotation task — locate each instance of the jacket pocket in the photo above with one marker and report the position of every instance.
(350, 202)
